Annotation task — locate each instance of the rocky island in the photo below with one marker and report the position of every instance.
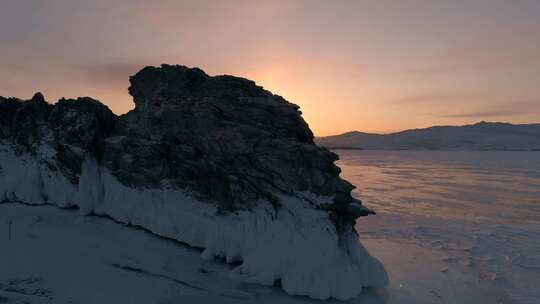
(216, 162)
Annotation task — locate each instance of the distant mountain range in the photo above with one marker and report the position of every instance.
(479, 136)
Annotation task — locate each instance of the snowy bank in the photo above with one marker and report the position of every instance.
(295, 243)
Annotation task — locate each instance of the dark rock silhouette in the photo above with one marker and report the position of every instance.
(223, 139)
(215, 162)
(72, 127)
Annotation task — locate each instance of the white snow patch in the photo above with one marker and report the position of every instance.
(296, 243)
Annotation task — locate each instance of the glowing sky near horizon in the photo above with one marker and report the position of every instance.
(375, 66)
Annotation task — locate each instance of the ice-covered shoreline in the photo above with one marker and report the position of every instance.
(295, 244)
(55, 256)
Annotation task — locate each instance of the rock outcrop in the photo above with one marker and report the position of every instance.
(224, 139)
(220, 141)
(72, 128)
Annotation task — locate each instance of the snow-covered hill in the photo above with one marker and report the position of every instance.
(479, 136)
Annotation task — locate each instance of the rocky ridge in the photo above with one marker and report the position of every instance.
(218, 163)
(223, 139)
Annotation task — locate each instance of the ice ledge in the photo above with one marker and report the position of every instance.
(295, 244)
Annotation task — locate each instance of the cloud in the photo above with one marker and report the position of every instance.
(486, 114)
(425, 98)
(508, 108)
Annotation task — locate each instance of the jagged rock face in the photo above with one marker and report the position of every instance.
(222, 139)
(73, 128)
(79, 128)
(21, 121)
(215, 162)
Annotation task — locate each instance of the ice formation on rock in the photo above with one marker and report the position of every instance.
(215, 162)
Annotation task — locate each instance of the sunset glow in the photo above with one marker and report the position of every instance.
(375, 66)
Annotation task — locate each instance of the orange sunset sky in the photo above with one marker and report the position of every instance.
(375, 66)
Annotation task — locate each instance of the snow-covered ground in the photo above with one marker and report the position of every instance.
(296, 244)
(452, 227)
(58, 256)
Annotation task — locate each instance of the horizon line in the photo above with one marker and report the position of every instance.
(423, 128)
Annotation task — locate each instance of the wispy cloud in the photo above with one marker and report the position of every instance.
(486, 114)
(508, 108)
(425, 98)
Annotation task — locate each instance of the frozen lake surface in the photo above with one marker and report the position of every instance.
(480, 209)
(452, 227)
